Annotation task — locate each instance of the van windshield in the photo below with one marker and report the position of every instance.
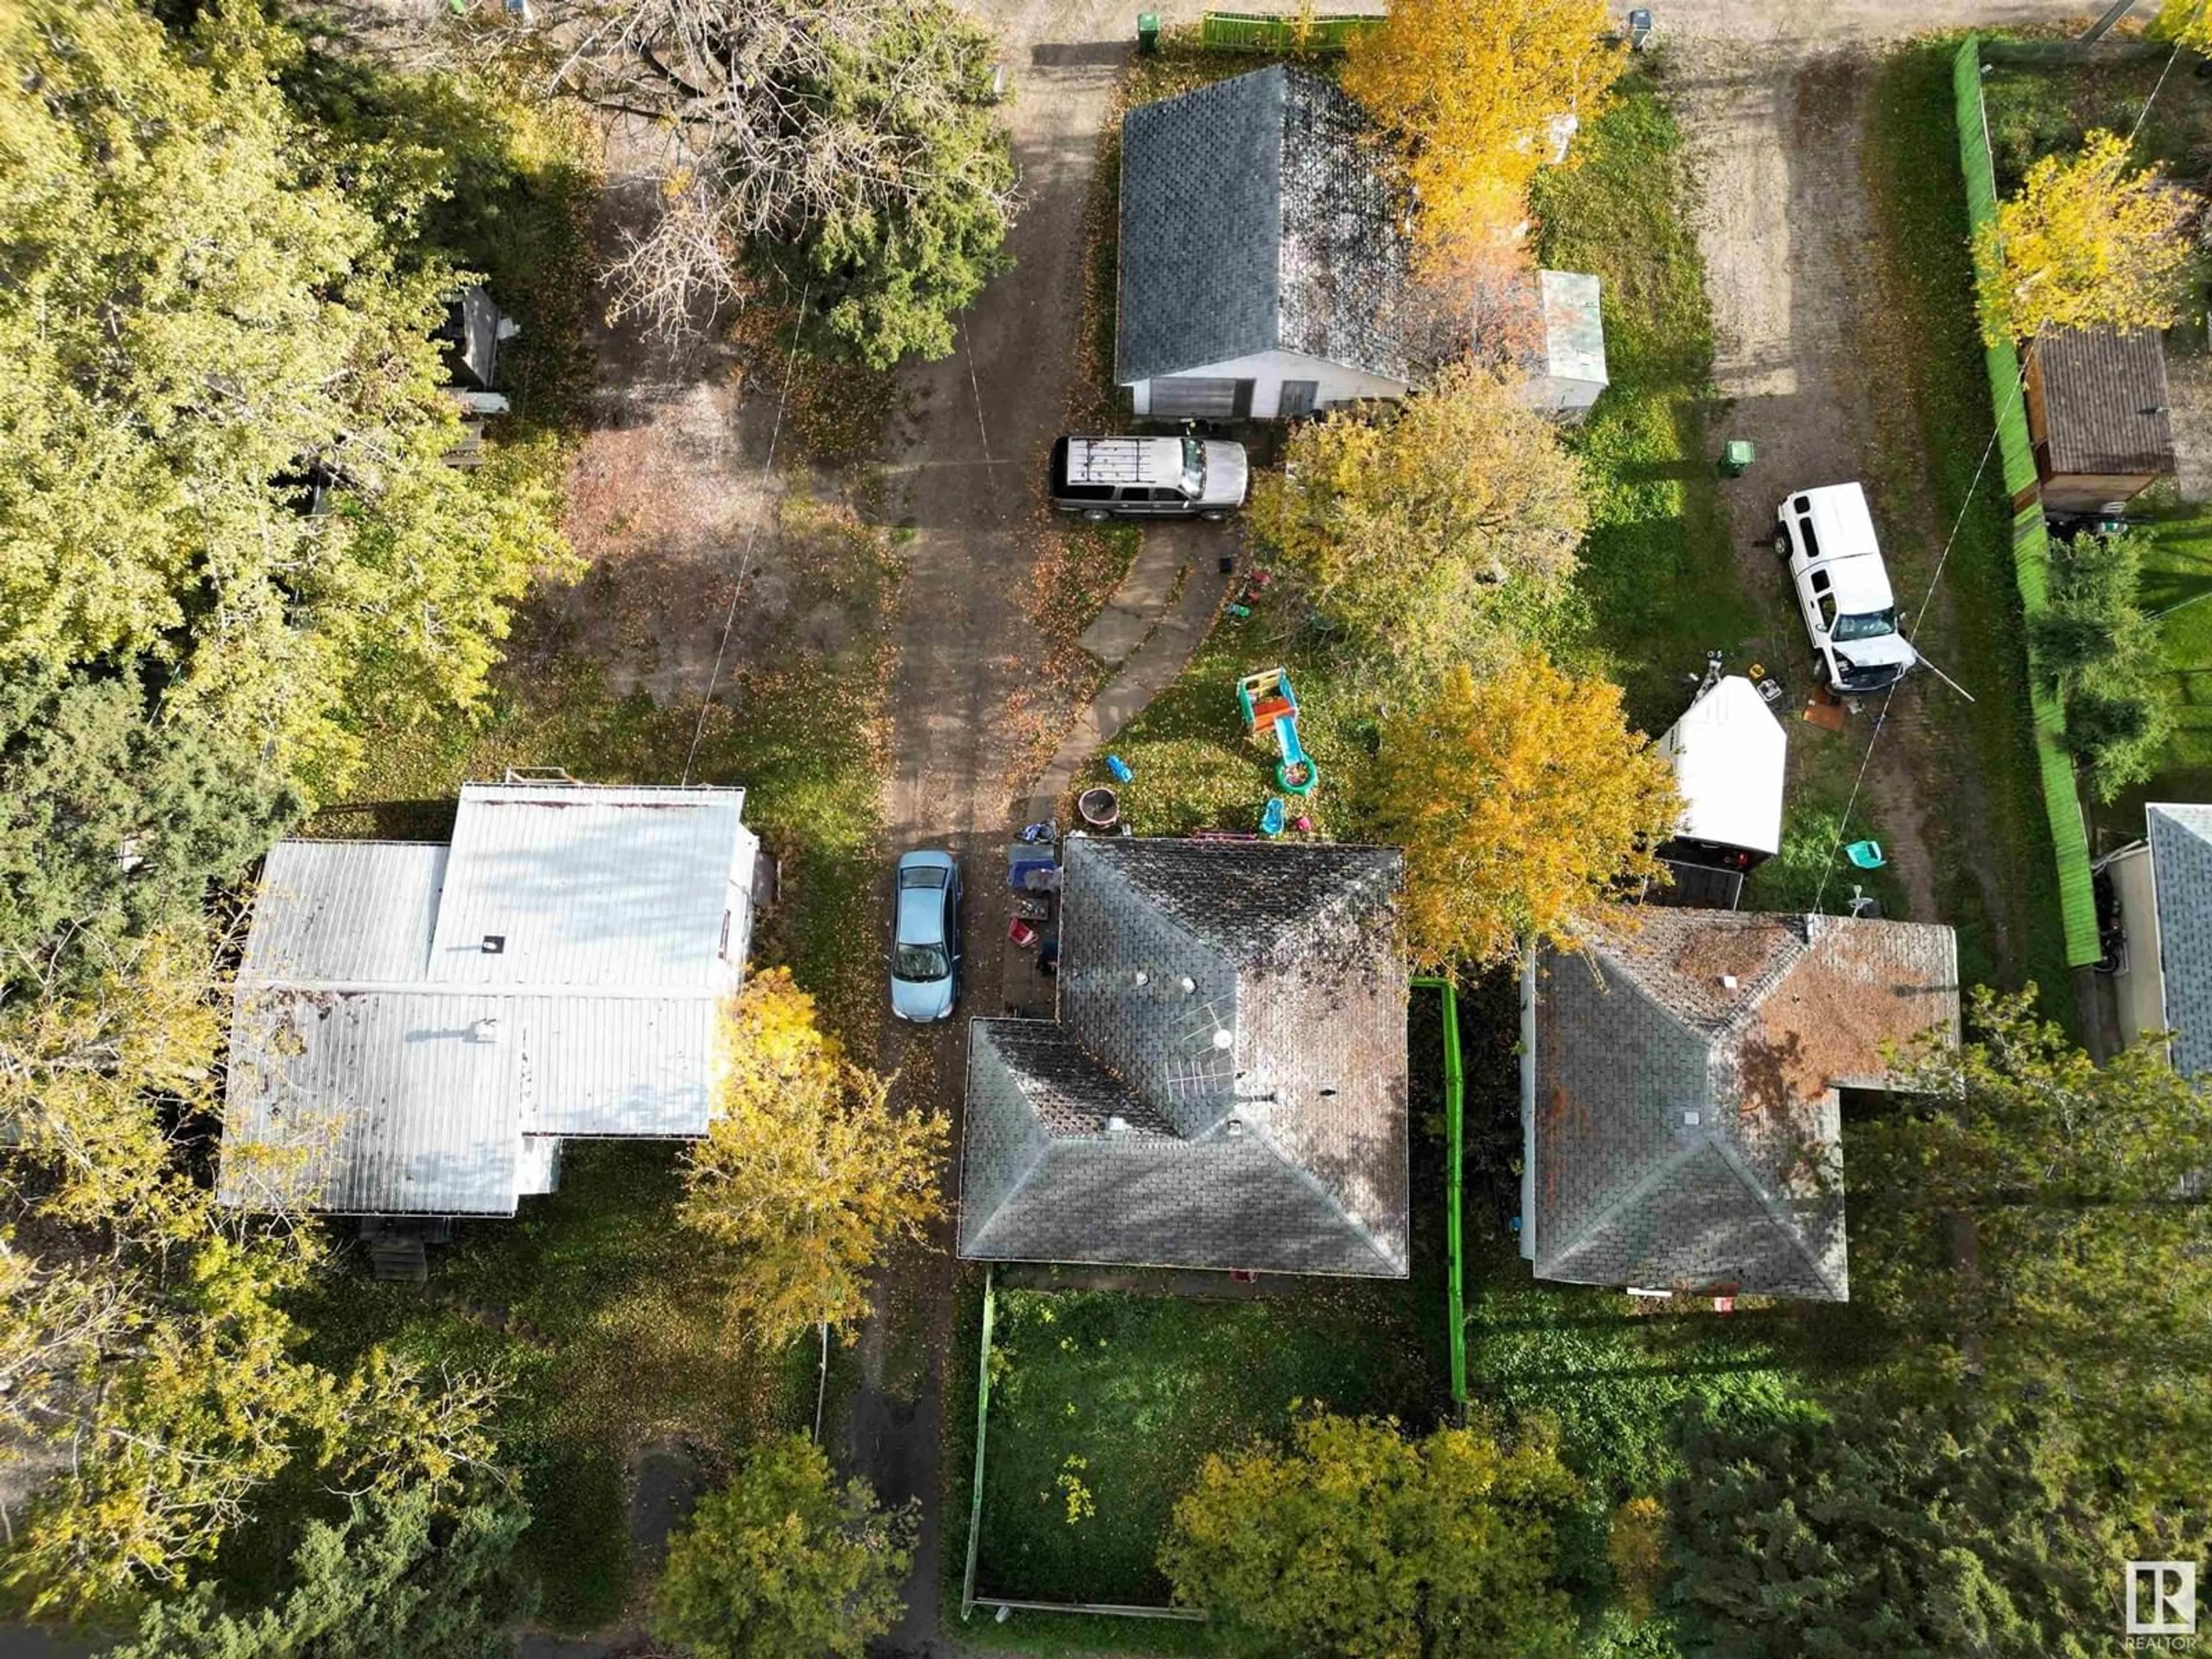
(1868, 625)
(1194, 467)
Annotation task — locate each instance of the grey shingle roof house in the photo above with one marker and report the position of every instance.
(1225, 1083)
(418, 1026)
(2164, 886)
(1682, 1123)
(1264, 258)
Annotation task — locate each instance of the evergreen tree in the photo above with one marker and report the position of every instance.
(402, 1575)
(1914, 1534)
(2035, 1224)
(114, 820)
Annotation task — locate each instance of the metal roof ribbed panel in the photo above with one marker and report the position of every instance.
(591, 887)
(372, 1103)
(344, 910)
(636, 1066)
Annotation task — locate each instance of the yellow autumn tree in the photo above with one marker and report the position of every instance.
(1468, 89)
(2186, 23)
(2087, 243)
(1522, 800)
(808, 1169)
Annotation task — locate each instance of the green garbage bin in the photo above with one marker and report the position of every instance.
(1148, 31)
(1736, 457)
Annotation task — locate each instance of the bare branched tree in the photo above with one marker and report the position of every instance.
(781, 122)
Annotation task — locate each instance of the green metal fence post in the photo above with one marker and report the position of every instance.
(982, 1422)
(2031, 546)
(1455, 1159)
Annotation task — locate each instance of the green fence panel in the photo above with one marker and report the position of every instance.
(983, 1427)
(1455, 1179)
(2031, 545)
(1231, 31)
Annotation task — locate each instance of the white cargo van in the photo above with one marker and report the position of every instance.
(1843, 590)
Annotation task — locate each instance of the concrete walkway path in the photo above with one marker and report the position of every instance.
(1148, 670)
(1140, 602)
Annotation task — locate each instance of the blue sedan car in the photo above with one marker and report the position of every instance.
(925, 937)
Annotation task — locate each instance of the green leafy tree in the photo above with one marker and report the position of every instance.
(1444, 530)
(114, 820)
(150, 1378)
(1360, 1542)
(208, 301)
(849, 145)
(2026, 1220)
(782, 1564)
(1912, 1532)
(410, 1575)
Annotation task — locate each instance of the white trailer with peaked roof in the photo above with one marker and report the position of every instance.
(1729, 755)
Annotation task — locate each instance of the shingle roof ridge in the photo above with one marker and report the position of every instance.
(982, 1028)
(1777, 1214)
(1661, 1171)
(1313, 1183)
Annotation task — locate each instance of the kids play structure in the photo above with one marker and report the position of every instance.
(1267, 700)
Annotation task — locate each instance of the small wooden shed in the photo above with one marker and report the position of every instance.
(2100, 416)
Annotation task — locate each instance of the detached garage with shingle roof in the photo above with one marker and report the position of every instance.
(1264, 256)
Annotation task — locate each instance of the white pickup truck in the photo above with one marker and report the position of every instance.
(1827, 535)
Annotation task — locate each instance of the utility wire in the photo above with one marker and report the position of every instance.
(1881, 718)
(2157, 88)
(752, 540)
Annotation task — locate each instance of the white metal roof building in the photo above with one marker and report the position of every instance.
(1569, 372)
(1729, 755)
(418, 1026)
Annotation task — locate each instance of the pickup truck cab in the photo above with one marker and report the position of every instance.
(1842, 587)
(1148, 478)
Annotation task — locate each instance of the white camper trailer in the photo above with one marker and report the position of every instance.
(1728, 753)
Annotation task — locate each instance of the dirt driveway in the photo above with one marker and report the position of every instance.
(961, 477)
(1774, 102)
(1770, 96)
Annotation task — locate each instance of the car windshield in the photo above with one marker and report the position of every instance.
(1194, 467)
(1869, 625)
(920, 961)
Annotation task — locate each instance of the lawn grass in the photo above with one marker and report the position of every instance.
(606, 1315)
(1122, 1395)
(1924, 348)
(1658, 574)
(2176, 579)
(2045, 108)
(607, 1321)
(1194, 763)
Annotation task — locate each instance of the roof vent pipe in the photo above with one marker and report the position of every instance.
(484, 1030)
(1142, 978)
(1222, 1039)
(1188, 985)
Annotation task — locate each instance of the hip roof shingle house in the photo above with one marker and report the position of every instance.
(1225, 1084)
(416, 1026)
(2163, 884)
(1263, 249)
(1680, 1078)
